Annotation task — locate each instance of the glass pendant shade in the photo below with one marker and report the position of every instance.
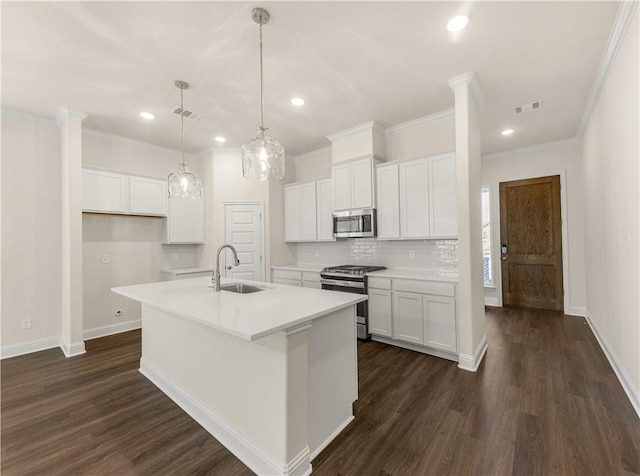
(184, 184)
(262, 158)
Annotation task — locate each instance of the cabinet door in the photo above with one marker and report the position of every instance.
(442, 197)
(311, 284)
(324, 202)
(341, 175)
(440, 322)
(308, 212)
(105, 191)
(414, 199)
(288, 282)
(148, 196)
(292, 208)
(387, 201)
(185, 221)
(407, 317)
(362, 184)
(380, 312)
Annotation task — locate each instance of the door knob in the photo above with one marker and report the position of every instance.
(228, 267)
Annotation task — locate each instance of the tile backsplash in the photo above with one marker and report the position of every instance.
(176, 256)
(419, 254)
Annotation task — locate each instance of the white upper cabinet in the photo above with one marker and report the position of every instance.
(324, 207)
(387, 201)
(353, 184)
(417, 198)
(147, 196)
(442, 197)
(414, 199)
(106, 192)
(300, 212)
(185, 222)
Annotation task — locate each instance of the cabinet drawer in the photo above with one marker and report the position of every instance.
(310, 276)
(379, 283)
(286, 274)
(424, 287)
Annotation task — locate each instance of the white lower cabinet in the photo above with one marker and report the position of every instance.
(421, 313)
(305, 279)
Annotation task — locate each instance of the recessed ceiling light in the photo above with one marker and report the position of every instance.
(219, 139)
(457, 23)
(297, 101)
(147, 115)
(507, 132)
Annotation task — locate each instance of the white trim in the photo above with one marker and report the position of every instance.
(241, 448)
(28, 117)
(371, 125)
(126, 140)
(71, 350)
(471, 80)
(492, 301)
(625, 380)
(616, 37)
(532, 149)
(260, 203)
(331, 437)
(443, 354)
(472, 362)
(313, 153)
(14, 350)
(575, 311)
(111, 329)
(436, 116)
(65, 113)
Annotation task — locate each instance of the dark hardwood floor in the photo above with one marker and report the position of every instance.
(544, 401)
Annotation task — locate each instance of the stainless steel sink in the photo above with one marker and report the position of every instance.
(240, 288)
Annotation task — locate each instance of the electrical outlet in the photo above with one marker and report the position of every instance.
(174, 256)
(412, 254)
(118, 313)
(105, 259)
(25, 324)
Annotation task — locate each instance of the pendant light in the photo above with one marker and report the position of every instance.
(262, 157)
(184, 184)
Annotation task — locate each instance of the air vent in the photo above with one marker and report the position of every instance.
(532, 106)
(186, 113)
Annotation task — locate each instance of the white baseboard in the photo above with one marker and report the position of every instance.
(576, 311)
(111, 329)
(28, 347)
(71, 350)
(300, 465)
(491, 301)
(632, 393)
(332, 437)
(472, 362)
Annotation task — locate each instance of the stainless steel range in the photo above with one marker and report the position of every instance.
(351, 279)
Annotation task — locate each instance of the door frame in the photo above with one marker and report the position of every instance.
(223, 209)
(495, 245)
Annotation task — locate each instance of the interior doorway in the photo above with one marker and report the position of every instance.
(243, 227)
(531, 243)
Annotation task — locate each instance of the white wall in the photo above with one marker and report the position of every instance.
(611, 185)
(132, 243)
(313, 165)
(430, 135)
(31, 231)
(562, 158)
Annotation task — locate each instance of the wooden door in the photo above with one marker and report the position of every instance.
(531, 243)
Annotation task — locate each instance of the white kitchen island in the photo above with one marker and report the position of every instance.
(272, 375)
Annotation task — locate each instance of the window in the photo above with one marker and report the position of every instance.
(486, 237)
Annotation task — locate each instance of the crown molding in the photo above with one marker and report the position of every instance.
(371, 125)
(532, 149)
(437, 116)
(616, 37)
(127, 140)
(471, 80)
(313, 153)
(65, 113)
(28, 117)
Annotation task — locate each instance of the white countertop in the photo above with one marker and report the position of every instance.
(248, 316)
(419, 274)
(312, 268)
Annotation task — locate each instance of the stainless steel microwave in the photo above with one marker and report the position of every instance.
(354, 223)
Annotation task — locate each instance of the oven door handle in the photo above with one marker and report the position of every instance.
(344, 284)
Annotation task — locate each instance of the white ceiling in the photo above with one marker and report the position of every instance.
(352, 62)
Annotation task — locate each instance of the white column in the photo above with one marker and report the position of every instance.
(470, 298)
(70, 124)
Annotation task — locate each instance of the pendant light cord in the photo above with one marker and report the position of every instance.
(182, 124)
(262, 128)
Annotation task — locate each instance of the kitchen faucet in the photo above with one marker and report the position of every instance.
(216, 272)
